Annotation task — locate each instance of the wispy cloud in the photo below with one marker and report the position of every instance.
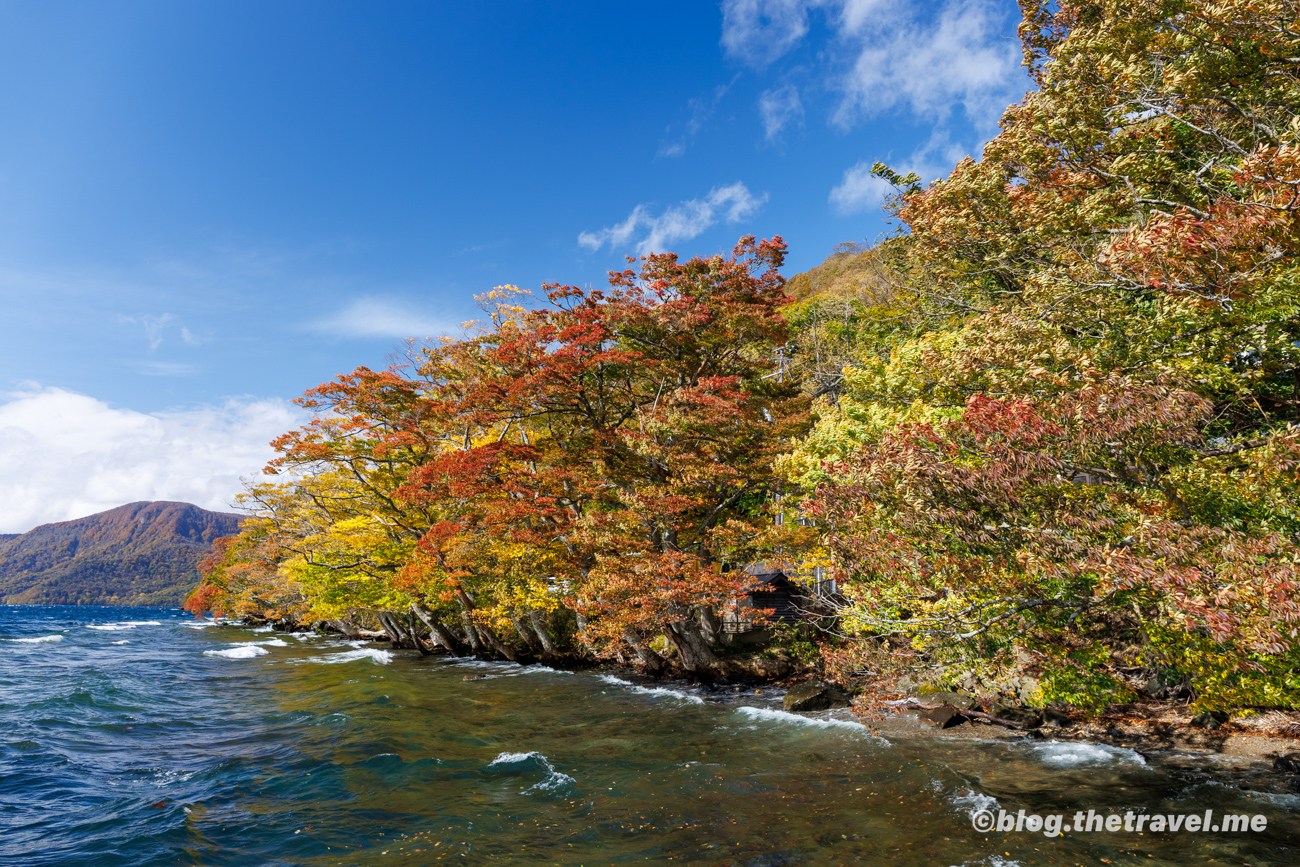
(681, 222)
(758, 32)
(780, 107)
(702, 108)
(369, 317)
(64, 455)
(156, 327)
(163, 368)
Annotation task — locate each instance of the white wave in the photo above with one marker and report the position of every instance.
(124, 624)
(990, 861)
(763, 713)
(553, 779)
(267, 628)
(40, 639)
(238, 651)
(516, 758)
(542, 669)
(123, 641)
(971, 801)
(272, 642)
(650, 690)
(1061, 754)
(199, 624)
(378, 657)
(551, 782)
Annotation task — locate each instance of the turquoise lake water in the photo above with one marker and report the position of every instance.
(138, 737)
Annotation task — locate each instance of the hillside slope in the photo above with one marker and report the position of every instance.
(137, 554)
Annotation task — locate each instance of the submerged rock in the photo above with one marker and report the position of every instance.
(814, 695)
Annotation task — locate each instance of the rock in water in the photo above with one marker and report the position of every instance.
(769, 669)
(1026, 716)
(1211, 719)
(942, 717)
(960, 700)
(1287, 763)
(814, 695)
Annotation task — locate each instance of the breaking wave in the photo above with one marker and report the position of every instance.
(1060, 754)
(378, 657)
(532, 762)
(239, 651)
(650, 690)
(124, 624)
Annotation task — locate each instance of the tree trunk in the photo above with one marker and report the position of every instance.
(471, 634)
(654, 663)
(413, 631)
(526, 633)
(345, 628)
(394, 631)
(438, 633)
(582, 633)
(710, 628)
(484, 631)
(538, 618)
(694, 651)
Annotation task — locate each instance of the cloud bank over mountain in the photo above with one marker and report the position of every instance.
(65, 455)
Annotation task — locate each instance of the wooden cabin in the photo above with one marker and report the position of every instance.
(790, 602)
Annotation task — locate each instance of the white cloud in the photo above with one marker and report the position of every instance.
(381, 317)
(760, 31)
(859, 191)
(681, 222)
(779, 107)
(906, 56)
(919, 55)
(65, 455)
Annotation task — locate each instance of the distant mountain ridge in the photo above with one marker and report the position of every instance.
(138, 554)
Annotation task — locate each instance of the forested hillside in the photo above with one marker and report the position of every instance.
(138, 554)
(1044, 436)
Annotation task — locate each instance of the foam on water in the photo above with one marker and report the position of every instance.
(771, 715)
(272, 642)
(519, 763)
(650, 690)
(40, 639)
(124, 624)
(971, 802)
(1061, 754)
(123, 641)
(239, 651)
(378, 657)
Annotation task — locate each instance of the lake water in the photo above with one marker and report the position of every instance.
(137, 737)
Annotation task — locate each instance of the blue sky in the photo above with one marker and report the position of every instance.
(207, 207)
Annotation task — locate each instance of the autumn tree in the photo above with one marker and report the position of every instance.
(1088, 451)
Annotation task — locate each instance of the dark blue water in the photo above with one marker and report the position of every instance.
(135, 737)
